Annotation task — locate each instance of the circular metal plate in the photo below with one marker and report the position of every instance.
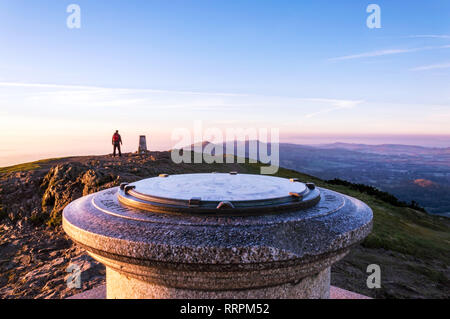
(218, 187)
(217, 193)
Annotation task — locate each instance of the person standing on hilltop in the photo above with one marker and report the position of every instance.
(116, 141)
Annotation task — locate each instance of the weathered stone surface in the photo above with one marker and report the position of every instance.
(335, 293)
(33, 264)
(217, 252)
(120, 286)
(142, 144)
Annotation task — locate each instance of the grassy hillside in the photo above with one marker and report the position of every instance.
(25, 167)
(395, 228)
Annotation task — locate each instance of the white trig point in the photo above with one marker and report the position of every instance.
(142, 144)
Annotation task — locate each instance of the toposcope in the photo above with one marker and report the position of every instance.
(217, 236)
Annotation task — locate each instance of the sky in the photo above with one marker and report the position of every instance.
(312, 69)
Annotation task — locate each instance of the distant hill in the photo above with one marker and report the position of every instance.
(411, 247)
(412, 173)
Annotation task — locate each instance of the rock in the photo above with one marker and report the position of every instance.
(25, 259)
(20, 223)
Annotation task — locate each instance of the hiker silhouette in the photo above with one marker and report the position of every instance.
(116, 142)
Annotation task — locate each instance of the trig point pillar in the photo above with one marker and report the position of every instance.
(142, 144)
(217, 236)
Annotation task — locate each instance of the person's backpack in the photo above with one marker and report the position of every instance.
(116, 138)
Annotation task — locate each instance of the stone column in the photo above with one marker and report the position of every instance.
(142, 144)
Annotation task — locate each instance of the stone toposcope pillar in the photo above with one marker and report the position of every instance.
(142, 144)
(217, 236)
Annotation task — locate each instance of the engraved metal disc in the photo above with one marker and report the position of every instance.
(235, 194)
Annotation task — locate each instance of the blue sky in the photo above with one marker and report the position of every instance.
(309, 68)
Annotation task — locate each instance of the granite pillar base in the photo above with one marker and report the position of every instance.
(122, 286)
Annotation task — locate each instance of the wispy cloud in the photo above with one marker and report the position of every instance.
(119, 90)
(432, 67)
(386, 52)
(337, 105)
(433, 36)
(64, 99)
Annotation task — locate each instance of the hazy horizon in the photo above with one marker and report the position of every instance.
(130, 145)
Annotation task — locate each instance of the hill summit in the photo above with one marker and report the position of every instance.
(410, 246)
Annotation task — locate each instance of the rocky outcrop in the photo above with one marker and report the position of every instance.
(34, 251)
(41, 194)
(66, 182)
(20, 196)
